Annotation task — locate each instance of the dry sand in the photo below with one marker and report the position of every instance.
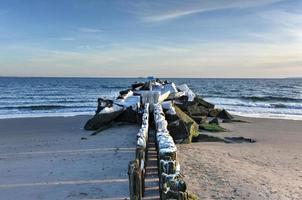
(271, 168)
(45, 158)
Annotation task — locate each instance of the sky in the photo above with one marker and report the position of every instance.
(163, 38)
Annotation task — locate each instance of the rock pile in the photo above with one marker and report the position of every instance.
(185, 111)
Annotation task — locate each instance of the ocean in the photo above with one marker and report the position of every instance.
(38, 97)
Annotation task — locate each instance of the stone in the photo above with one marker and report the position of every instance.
(101, 119)
(184, 129)
(199, 119)
(197, 110)
(214, 121)
(203, 103)
(103, 103)
(213, 112)
(207, 138)
(224, 115)
(227, 121)
(128, 115)
(136, 86)
(124, 93)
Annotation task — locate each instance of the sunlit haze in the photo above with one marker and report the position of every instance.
(205, 38)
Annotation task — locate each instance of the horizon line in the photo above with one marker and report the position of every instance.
(144, 77)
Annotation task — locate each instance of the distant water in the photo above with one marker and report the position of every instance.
(35, 97)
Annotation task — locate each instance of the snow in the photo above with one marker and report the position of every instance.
(188, 92)
(113, 108)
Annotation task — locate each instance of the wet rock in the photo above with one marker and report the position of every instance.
(199, 119)
(197, 110)
(211, 127)
(128, 115)
(184, 129)
(214, 121)
(213, 112)
(101, 119)
(207, 138)
(224, 115)
(203, 103)
(227, 121)
(239, 140)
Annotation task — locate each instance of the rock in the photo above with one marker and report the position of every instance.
(128, 115)
(213, 112)
(240, 140)
(214, 121)
(196, 110)
(198, 107)
(227, 121)
(171, 118)
(199, 119)
(203, 103)
(136, 86)
(184, 129)
(224, 115)
(207, 138)
(124, 93)
(103, 103)
(211, 127)
(101, 119)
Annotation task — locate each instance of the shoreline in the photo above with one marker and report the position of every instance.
(91, 114)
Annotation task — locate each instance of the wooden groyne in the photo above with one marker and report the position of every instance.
(155, 171)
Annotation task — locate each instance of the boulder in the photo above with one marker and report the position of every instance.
(197, 110)
(136, 86)
(199, 119)
(124, 93)
(103, 103)
(227, 121)
(197, 107)
(213, 112)
(203, 103)
(128, 115)
(184, 129)
(101, 119)
(224, 115)
(214, 121)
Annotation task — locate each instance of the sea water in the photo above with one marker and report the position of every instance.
(37, 97)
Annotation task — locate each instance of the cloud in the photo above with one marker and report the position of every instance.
(91, 30)
(68, 39)
(168, 12)
(182, 60)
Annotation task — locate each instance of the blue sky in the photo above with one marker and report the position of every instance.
(193, 38)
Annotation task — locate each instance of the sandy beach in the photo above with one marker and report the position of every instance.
(271, 168)
(54, 158)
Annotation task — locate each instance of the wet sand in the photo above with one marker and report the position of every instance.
(271, 168)
(54, 158)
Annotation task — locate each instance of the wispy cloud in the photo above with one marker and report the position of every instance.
(168, 12)
(90, 30)
(68, 38)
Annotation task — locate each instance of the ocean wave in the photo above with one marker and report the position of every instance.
(260, 98)
(40, 107)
